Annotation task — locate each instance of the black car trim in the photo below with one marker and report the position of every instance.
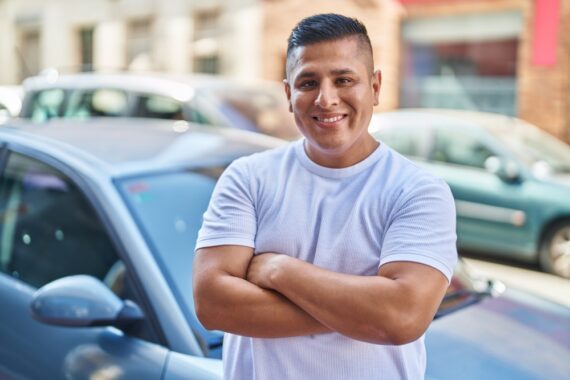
(4, 154)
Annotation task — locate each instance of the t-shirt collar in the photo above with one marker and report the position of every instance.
(324, 171)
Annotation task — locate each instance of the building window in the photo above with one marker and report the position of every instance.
(206, 23)
(207, 64)
(29, 52)
(205, 47)
(86, 48)
(462, 62)
(139, 44)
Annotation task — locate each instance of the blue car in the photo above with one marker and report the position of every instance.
(510, 180)
(98, 221)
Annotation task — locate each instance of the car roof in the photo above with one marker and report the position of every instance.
(180, 86)
(128, 146)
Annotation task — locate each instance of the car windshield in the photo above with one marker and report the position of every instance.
(533, 146)
(168, 208)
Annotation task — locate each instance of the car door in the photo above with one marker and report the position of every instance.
(492, 213)
(49, 229)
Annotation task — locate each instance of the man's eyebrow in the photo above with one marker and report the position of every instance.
(311, 74)
(342, 71)
(306, 74)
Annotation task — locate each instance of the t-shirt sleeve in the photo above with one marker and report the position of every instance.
(422, 228)
(230, 218)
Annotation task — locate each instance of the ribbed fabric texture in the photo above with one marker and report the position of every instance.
(349, 220)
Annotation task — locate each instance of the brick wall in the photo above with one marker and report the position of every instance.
(543, 90)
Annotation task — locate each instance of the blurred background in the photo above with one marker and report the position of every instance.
(504, 56)
(91, 183)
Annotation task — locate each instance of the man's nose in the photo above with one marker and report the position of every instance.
(327, 97)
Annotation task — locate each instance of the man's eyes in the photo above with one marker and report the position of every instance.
(308, 84)
(343, 81)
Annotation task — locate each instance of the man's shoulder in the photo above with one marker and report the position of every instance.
(408, 174)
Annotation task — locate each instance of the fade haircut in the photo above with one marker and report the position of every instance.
(326, 27)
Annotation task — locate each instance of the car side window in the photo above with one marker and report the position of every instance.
(158, 107)
(48, 230)
(47, 104)
(460, 147)
(97, 102)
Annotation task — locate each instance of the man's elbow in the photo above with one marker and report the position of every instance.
(205, 307)
(398, 331)
(205, 314)
(406, 330)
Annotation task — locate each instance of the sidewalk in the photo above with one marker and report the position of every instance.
(546, 285)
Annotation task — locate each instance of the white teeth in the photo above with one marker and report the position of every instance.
(330, 120)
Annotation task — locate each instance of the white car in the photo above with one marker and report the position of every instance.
(199, 98)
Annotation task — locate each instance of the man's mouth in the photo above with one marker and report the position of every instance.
(329, 119)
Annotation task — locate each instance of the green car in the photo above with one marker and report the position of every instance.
(510, 180)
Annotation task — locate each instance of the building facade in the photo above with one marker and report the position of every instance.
(506, 56)
(168, 35)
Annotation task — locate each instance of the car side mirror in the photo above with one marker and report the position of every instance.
(506, 170)
(82, 300)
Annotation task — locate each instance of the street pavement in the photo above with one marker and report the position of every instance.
(526, 278)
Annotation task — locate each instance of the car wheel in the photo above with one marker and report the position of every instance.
(555, 250)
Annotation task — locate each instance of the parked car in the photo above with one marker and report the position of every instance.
(98, 221)
(10, 102)
(510, 180)
(206, 99)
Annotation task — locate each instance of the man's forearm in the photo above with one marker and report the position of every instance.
(225, 301)
(379, 309)
(237, 306)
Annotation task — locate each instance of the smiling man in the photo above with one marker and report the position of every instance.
(326, 258)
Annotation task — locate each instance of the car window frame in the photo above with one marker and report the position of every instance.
(82, 184)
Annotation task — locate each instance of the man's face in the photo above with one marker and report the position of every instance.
(332, 92)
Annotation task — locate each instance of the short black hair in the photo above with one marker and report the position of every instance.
(326, 27)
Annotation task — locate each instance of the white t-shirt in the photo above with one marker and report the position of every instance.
(349, 220)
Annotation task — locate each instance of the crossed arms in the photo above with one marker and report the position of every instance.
(273, 295)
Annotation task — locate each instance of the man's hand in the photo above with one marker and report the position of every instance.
(226, 301)
(263, 267)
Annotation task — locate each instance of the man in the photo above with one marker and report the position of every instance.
(327, 258)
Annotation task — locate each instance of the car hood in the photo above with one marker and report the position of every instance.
(514, 336)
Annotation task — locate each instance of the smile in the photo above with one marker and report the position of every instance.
(331, 119)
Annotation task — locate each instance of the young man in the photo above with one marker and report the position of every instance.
(327, 258)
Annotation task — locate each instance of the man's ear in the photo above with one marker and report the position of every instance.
(288, 93)
(376, 85)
